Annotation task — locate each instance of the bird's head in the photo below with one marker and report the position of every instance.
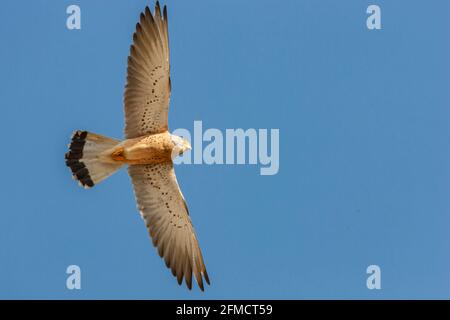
(180, 144)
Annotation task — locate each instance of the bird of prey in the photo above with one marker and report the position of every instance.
(148, 150)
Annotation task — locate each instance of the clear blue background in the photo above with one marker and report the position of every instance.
(364, 149)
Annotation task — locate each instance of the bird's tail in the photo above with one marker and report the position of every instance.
(89, 159)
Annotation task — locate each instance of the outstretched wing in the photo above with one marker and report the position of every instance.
(166, 215)
(147, 93)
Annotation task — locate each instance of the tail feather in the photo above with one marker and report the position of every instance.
(87, 158)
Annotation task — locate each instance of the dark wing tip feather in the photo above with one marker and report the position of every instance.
(188, 280)
(147, 11)
(200, 284)
(149, 15)
(165, 13)
(205, 274)
(180, 279)
(142, 18)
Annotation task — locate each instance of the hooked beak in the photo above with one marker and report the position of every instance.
(187, 145)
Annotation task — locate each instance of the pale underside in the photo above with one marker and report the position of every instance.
(151, 149)
(158, 195)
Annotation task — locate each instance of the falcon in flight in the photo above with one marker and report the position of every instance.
(148, 150)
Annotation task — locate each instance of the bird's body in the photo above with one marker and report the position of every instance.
(147, 150)
(150, 149)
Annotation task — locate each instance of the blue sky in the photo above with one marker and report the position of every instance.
(364, 149)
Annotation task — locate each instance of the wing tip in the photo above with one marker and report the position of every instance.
(165, 13)
(200, 285)
(205, 275)
(147, 12)
(188, 284)
(180, 279)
